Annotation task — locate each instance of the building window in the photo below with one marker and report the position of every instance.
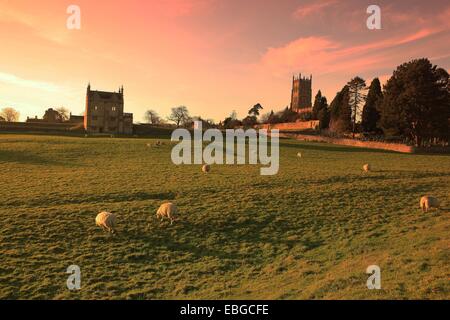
(113, 108)
(95, 108)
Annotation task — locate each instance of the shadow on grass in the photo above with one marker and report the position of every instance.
(322, 146)
(24, 157)
(93, 198)
(379, 175)
(231, 242)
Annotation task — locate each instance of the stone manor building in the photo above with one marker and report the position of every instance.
(104, 113)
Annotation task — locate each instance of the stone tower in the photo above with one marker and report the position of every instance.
(104, 113)
(301, 94)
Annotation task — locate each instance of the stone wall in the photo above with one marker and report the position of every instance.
(40, 127)
(397, 147)
(291, 126)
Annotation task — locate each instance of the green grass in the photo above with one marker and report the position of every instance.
(308, 232)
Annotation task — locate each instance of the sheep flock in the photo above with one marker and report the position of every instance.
(168, 210)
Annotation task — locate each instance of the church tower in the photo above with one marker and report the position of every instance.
(301, 95)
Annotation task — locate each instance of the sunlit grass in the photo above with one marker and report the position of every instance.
(308, 232)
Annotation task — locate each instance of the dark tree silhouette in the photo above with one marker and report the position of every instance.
(340, 112)
(357, 94)
(64, 113)
(287, 115)
(271, 117)
(249, 121)
(254, 111)
(231, 121)
(152, 117)
(324, 118)
(370, 114)
(320, 102)
(416, 103)
(179, 115)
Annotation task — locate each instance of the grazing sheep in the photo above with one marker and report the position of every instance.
(299, 154)
(206, 168)
(167, 210)
(366, 167)
(156, 144)
(427, 202)
(107, 221)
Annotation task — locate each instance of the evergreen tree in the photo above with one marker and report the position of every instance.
(317, 106)
(370, 114)
(416, 103)
(340, 112)
(287, 115)
(357, 95)
(254, 111)
(271, 118)
(324, 118)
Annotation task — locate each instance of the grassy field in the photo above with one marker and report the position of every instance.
(307, 233)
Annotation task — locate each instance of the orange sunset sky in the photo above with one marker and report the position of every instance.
(212, 56)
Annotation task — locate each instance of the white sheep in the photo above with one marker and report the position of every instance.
(427, 202)
(299, 154)
(167, 210)
(107, 221)
(366, 167)
(206, 168)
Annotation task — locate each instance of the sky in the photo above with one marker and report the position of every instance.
(209, 55)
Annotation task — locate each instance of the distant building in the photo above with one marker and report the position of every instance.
(76, 119)
(301, 95)
(34, 120)
(104, 113)
(50, 116)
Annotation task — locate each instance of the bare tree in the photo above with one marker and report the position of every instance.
(64, 113)
(179, 115)
(152, 117)
(10, 114)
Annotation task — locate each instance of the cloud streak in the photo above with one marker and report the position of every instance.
(17, 81)
(312, 8)
(323, 55)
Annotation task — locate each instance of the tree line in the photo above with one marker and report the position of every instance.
(60, 114)
(413, 105)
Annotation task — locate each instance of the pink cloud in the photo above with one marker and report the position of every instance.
(305, 54)
(321, 55)
(179, 8)
(312, 8)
